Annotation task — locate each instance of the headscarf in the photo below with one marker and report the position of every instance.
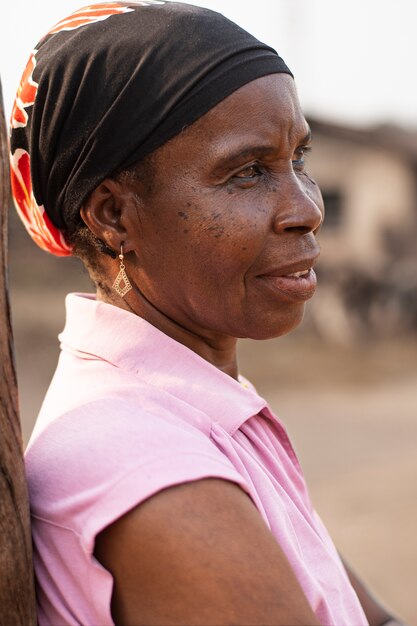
(108, 85)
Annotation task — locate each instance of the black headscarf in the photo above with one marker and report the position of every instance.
(113, 82)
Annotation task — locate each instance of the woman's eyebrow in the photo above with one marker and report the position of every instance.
(254, 151)
(244, 153)
(307, 138)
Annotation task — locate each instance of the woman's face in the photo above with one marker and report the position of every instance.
(230, 217)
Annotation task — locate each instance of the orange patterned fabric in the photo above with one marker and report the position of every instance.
(25, 96)
(89, 15)
(33, 215)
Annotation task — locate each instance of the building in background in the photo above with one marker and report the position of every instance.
(368, 178)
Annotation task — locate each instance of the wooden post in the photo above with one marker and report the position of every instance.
(17, 597)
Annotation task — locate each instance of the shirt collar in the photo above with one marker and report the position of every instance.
(100, 330)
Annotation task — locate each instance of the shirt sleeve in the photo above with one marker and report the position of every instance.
(95, 463)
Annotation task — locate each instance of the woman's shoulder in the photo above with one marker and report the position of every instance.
(109, 402)
(108, 432)
(92, 461)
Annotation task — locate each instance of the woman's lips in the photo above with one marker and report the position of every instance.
(299, 285)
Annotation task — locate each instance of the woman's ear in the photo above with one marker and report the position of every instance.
(107, 212)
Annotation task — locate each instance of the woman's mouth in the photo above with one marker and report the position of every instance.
(300, 274)
(299, 285)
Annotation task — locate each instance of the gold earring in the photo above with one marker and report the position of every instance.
(122, 284)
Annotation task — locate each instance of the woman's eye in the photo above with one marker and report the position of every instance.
(249, 173)
(300, 155)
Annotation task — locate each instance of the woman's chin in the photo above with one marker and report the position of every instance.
(276, 326)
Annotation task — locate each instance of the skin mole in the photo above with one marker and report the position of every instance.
(183, 215)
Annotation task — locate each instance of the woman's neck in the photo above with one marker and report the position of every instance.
(219, 350)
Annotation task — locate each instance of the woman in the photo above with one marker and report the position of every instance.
(165, 146)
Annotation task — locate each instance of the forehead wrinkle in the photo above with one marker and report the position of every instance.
(296, 136)
(271, 138)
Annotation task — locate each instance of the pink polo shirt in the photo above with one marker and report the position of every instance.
(131, 412)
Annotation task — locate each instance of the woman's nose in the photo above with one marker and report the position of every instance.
(299, 208)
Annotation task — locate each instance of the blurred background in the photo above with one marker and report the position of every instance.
(345, 383)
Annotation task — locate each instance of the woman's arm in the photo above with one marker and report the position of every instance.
(200, 554)
(375, 613)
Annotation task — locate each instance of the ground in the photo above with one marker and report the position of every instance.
(351, 412)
